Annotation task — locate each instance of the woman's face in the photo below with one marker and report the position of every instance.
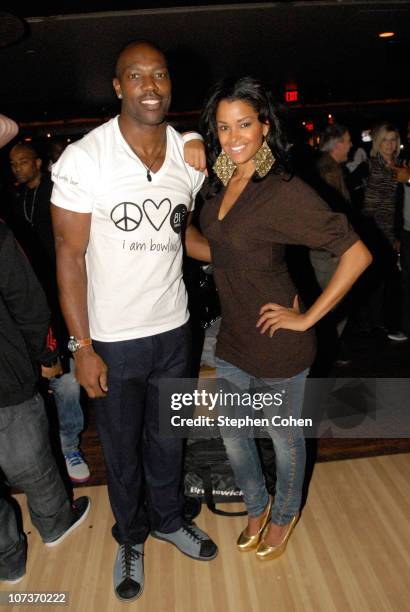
(388, 145)
(240, 132)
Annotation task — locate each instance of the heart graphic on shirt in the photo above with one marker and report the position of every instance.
(157, 213)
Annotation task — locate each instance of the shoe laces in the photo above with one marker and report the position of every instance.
(129, 556)
(194, 532)
(74, 458)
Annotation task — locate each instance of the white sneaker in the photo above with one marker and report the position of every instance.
(76, 467)
(397, 337)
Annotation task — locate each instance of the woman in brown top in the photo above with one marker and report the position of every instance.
(254, 209)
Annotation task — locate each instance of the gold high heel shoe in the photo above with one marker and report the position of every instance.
(266, 552)
(246, 543)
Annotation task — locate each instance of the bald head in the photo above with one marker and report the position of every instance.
(143, 85)
(26, 147)
(127, 52)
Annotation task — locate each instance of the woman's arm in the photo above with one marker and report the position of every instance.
(351, 265)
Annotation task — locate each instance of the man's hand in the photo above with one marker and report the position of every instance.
(91, 372)
(401, 173)
(194, 154)
(51, 372)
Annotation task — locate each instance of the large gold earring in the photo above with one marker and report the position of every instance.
(224, 167)
(263, 160)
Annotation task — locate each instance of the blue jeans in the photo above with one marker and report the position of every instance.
(66, 391)
(288, 443)
(28, 464)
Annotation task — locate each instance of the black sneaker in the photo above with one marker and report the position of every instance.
(80, 509)
(191, 541)
(13, 580)
(129, 572)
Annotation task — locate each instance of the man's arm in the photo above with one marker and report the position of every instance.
(71, 232)
(197, 246)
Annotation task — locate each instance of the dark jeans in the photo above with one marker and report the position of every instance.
(377, 293)
(144, 470)
(28, 464)
(405, 281)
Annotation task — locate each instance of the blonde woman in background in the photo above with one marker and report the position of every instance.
(382, 221)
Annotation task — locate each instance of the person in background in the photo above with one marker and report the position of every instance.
(335, 144)
(358, 169)
(26, 458)
(55, 148)
(383, 202)
(401, 173)
(32, 226)
(253, 209)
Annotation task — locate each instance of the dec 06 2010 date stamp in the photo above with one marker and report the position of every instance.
(26, 598)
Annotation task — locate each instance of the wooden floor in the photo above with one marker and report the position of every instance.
(349, 552)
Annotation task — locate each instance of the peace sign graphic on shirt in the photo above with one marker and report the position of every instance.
(126, 216)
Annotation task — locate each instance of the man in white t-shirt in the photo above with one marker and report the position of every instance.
(120, 198)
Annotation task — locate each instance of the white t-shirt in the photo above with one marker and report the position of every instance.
(134, 255)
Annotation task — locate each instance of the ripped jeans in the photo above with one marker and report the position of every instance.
(288, 443)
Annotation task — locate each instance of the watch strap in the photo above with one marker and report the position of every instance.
(75, 344)
(84, 342)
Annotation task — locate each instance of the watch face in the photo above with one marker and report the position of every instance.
(73, 344)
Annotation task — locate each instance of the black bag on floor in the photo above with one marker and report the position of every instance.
(208, 474)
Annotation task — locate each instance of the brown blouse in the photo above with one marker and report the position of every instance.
(248, 255)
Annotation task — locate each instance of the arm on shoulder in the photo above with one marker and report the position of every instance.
(194, 150)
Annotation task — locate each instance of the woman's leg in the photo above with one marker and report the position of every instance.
(290, 455)
(242, 451)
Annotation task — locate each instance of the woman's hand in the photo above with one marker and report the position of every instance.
(274, 317)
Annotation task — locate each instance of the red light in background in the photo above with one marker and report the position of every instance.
(291, 96)
(310, 126)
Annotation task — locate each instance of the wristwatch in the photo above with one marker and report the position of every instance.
(74, 344)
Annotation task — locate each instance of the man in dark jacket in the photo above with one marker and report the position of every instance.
(335, 144)
(25, 453)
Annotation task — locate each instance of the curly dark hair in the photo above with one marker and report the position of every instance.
(252, 91)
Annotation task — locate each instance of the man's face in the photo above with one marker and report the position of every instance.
(143, 84)
(25, 166)
(343, 148)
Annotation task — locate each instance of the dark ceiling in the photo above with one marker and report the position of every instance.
(61, 65)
